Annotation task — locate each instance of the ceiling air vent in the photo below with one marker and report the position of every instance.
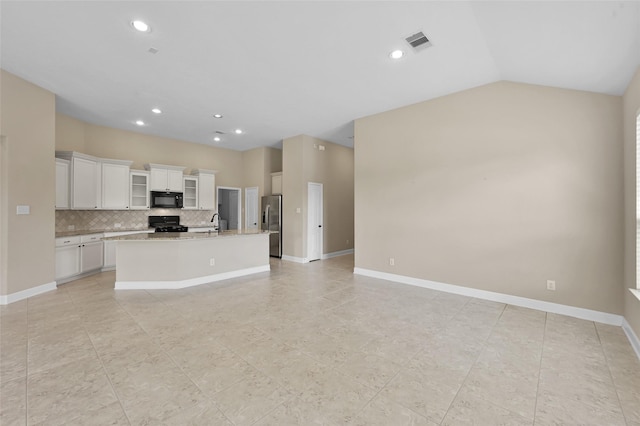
(220, 132)
(418, 41)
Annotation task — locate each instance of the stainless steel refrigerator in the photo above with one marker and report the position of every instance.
(272, 222)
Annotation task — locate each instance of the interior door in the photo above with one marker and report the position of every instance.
(314, 221)
(251, 208)
(234, 210)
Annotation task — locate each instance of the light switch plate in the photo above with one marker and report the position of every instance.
(23, 210)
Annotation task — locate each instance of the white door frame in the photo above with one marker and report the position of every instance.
(239, 190)
(311, 229)
(251, 192)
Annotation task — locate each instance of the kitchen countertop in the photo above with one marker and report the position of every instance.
(105, 231)
(155, 236)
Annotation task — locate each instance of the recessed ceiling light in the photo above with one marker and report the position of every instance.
(141, 26)
(217, 138)
(156, 111)
(396, 54)
(238, 131)
(140, 122)
(217, 115)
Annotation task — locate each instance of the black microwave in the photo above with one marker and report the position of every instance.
(166, 200)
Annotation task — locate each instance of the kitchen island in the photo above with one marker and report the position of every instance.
(174, 260)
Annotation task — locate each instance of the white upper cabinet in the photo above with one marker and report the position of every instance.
(115, 184)
(139, 199)
(190, 193)
(206, 189)
(85, 178)
(62, 183)
(84, 183)
(165, 178)
(174, 180)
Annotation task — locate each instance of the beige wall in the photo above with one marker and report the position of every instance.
(631, 101)
(498, 188)
(70, 134)
(258, 164)
(119, 144)
(253, 162)
(273, 163)
(303, 162)
(28, 178)
(293, 188)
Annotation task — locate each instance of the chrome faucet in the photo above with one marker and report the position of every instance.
(217, 228)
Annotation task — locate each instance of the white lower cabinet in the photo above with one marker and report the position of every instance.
(91, 253)
(78, 255)
(67, 257)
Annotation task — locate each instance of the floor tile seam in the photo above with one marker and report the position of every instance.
(377, 390)
(378, 393)
(544, 335)
(387, 358)
(24, 378)
(466, 378)
(269, 411)
(209, 397)
(615, 386)
(496, 405)
(400, 403)
(106, 373)
(26, 369)
(358, 347)
(273, 336)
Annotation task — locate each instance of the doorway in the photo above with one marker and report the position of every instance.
(251, 208)
(314, 221)
(229, 208)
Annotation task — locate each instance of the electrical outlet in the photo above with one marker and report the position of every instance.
(212, 262)
(347, 242)
(117, 225)
(392, 261)
(551, 285)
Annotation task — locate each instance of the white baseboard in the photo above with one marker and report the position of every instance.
(175, 285)
(30, 292)
(337, 253)
(556, 308)
(294, 259)
(633, 338)
(323, 257)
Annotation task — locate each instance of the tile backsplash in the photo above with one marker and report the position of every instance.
(99, 220)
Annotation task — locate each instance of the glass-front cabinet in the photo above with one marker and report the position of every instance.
(139, 190)
(190, 192)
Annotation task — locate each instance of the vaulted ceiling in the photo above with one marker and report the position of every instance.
(279, 69)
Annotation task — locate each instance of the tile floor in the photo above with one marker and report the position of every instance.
(305, 345)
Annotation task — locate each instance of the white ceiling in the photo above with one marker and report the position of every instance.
(280, 69)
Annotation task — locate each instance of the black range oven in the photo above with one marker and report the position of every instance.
(166, 224)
